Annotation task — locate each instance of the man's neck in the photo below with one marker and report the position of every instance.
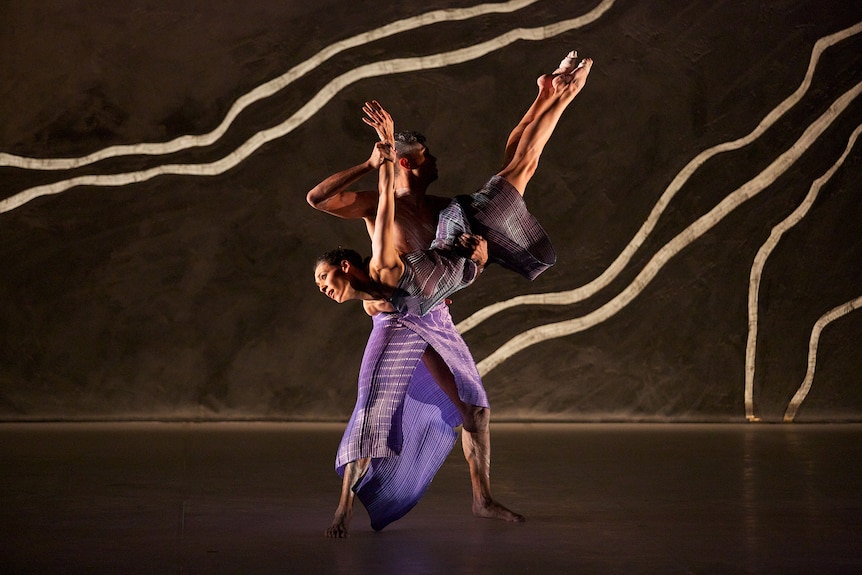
(409, 192)
(409, 186)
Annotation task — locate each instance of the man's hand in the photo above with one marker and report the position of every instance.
(473, 247)
(332, 194)
(382, 152)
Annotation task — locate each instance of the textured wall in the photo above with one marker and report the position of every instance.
(702, 192)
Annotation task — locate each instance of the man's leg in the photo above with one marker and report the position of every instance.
(477, 451)
(443, 377)
(353, 472)
(475, 439)
(528, 139)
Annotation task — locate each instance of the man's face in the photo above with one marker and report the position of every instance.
(332, 281)
(425, 164)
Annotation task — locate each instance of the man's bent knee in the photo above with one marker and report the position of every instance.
(480, 418)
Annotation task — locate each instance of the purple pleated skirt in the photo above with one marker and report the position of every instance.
(403, 421)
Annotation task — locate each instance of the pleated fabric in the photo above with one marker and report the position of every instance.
(394, 485)
(402, 420)
(498, 213)
(429, 277)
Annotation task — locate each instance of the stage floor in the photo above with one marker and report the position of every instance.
(248, 498)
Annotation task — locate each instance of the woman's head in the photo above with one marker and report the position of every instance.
(333, 271)
(339, 254)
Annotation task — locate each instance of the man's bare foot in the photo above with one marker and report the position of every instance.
(338, 529)
(493, 510)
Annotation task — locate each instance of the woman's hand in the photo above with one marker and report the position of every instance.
(380, 120)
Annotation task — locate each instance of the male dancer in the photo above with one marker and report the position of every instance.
(416, 218)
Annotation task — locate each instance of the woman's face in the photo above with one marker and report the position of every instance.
(333, 281)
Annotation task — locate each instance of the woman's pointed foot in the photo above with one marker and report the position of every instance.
(567, 64)
(574, 79)
(570, 71)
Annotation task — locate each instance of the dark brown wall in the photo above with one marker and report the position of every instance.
(190, 296)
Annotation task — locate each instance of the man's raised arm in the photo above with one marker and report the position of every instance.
(331, 195)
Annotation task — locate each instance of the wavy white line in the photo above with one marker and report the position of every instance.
(760, 262)
(588, 290)
(703, 224)
(819, 326)
(264, 90)
(395, 66)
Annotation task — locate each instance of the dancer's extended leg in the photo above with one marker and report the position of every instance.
(353, 472)
(442, 375)
(477, 451)
(528, 139)
(539, 105)
(475, 439)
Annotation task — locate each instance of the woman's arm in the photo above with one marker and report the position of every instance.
(386, 266)
(385, 258)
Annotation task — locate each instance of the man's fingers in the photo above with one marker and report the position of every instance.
(469, 239)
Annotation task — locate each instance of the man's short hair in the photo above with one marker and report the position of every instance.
(407, 142)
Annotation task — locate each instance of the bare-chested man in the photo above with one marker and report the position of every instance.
(416, 220)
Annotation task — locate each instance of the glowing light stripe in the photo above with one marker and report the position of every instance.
(395, 66)
(588, 290)
(821, 323)
(264, 90)
(703, 224)
(760, 262)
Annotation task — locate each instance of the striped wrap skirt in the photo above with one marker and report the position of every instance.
(403, 421)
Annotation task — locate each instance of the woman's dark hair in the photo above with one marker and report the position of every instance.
(338, 255)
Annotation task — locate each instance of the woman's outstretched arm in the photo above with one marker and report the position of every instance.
(386, 266)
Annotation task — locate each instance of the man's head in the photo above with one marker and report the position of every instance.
(407, 143)
(414, 158)
(333, 272)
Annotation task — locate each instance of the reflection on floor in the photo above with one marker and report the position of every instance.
(606, 498)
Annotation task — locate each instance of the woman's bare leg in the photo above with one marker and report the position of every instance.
(528, 139)
(539, 105)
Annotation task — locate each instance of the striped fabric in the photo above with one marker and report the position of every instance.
(402, 420)
(429, 277)
(394, 485)
(498, 213)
